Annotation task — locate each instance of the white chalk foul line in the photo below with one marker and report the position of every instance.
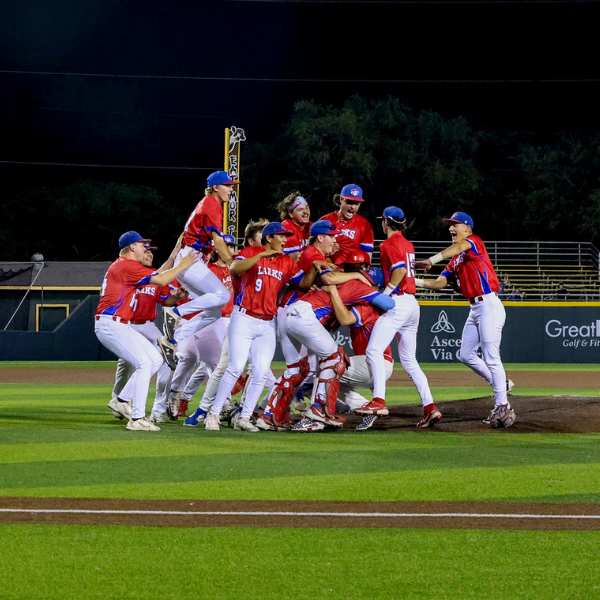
(219, 513)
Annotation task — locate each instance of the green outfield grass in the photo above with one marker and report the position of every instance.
(269, 564)
(60, 440)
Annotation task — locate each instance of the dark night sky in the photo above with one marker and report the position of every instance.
(202, 66)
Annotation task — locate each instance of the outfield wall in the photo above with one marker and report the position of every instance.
(537, 332)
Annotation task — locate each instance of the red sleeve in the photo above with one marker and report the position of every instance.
(134, 273)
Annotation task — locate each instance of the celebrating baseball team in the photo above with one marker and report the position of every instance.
(293, 283)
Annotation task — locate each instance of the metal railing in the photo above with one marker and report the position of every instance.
(536, 267)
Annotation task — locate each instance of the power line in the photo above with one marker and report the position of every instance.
(291, 79)
(51, 164)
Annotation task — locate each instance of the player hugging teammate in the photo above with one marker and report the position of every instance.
(294, 284)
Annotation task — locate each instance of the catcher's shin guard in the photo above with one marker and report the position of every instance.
(281, 398)
(240, 384)
(331, 369)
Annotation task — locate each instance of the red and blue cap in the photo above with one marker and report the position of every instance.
(229, 240)
(323, 227)
(131, 237)
(375, 276)
(275, 228)
(460, 217)
(220, 178)
(352, 192)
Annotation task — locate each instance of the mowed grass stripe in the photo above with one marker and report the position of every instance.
(549, 483)
(370, 564)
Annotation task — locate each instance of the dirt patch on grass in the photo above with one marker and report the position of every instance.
(535, 414)
(231, 513)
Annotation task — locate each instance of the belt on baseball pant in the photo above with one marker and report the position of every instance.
(478, 299)
(112, 318)
(250, 313)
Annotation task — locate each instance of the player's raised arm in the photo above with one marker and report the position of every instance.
(342, 314)
(171, 260)
(167, 276)
(222, 248)
(432, 284)
(461, 225)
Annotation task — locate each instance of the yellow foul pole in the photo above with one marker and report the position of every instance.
(234, 136)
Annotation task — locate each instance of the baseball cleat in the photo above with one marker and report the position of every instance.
(308, 425)
(122, 409)
(316, 413)
(377, 406)
(195, 419)
(367, 422)
(159, 418)
(509, 385)
(265, 422)
(244, 424)
(431, 416)
(170, 321)
(211, 423)
(169, 352)
(502, 416)
(173, 405)
(142, 424)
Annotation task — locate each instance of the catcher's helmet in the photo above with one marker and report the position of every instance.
(355, 257)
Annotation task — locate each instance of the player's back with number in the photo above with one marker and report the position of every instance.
(397, 252)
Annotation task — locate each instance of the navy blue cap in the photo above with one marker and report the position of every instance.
(131, 237)
(220, 178)
(352, 192)
(229, 239)
(393, 213)
(375, 276)
(323, 227)
(460, 217)
(275, 228)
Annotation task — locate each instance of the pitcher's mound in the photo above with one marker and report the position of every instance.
(539, 414)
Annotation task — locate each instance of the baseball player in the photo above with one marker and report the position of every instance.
(298, 362)
(263, 273)
(252, 239)
(360, 320)
(402, 322)
(203, 349)
(308, 321)
(353, 232)
(115, 309)
(295, 218)
(144, 304)
(202, 231)
(473, 272)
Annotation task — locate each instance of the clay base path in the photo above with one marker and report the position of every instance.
(221, 513)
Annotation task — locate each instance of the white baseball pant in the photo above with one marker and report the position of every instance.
(401, 322)
(133, 347)
(203, 346)
(248, 337)
(163, 378)
(358, 375)
(211, 296)
(483, 328)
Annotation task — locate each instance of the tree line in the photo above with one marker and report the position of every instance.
(428, 164)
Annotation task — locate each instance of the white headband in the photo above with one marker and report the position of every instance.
(298, 201)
